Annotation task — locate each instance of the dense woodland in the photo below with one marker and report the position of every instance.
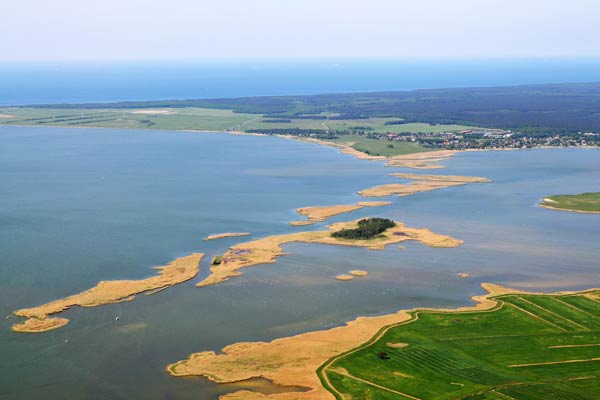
(367, 229)
(556, 108)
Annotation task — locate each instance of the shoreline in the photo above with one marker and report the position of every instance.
(567, 209)
(296, 361)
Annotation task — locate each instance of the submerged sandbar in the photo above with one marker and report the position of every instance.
(106, 292)
(266, 250)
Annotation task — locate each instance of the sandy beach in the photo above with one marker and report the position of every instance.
(225, 235)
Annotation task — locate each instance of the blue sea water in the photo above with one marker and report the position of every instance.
(104, 82)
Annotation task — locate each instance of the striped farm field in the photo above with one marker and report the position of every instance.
(528, 347)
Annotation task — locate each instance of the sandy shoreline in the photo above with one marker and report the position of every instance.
(267, 250)
(106, 292)
(422, 183)
(567, 209)
(293, 361)
(225, 235)
(321, 213)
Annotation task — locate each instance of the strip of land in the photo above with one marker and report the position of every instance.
(225, 235)
(422, 183)
(106, 292)
(588, 203)
(268, 249)
(321, 213)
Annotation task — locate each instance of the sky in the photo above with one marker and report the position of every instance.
(174, 30)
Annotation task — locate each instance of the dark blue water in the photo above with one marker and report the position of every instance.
(102, 82)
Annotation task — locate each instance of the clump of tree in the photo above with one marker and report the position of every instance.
(367, 229)
(217, 260)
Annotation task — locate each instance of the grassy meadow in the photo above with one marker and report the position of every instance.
(530, 347)
(584, 202)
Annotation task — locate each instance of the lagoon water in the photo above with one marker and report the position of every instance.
(82, 205)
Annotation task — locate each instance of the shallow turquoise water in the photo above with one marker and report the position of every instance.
(79, 206)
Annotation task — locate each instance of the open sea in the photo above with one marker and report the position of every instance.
(107, 82)
(82, 205)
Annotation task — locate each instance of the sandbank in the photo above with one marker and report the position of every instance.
(344, 277)
(293, 361)
(321, 213)
(463, 275)
(267, 250)
(421, 183)
(359, 272)
(424, 160)
(7, 116)
(106, 292)
(225, 235)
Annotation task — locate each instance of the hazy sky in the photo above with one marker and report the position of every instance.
(201, 29)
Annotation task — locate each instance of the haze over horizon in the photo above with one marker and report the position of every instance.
(179, 30)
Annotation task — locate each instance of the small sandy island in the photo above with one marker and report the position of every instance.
(263, 251)
(422, 183)
(293, 361)
(180, 270)
(225, 235)
(357, 273)
(321, 213)
(154, 112)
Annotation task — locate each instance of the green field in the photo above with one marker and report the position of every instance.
(379, 147)
(211, 119)
(529, 347)
(584, 202)
(190, 118)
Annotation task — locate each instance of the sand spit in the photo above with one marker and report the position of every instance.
(180, 270)
(422, 183)
(321, 213)
(153, 112)
(266, 250)
(425, 160)
(303, 222)
(442, 178)
(542, 205)
(293, 361)
(225, 235)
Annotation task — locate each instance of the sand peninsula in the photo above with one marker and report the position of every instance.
(267, 250)
(294, 361)
(586, 203)
(106, 292)
(225, 235)
(321, 213)
(422, 183)
(423, 160)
